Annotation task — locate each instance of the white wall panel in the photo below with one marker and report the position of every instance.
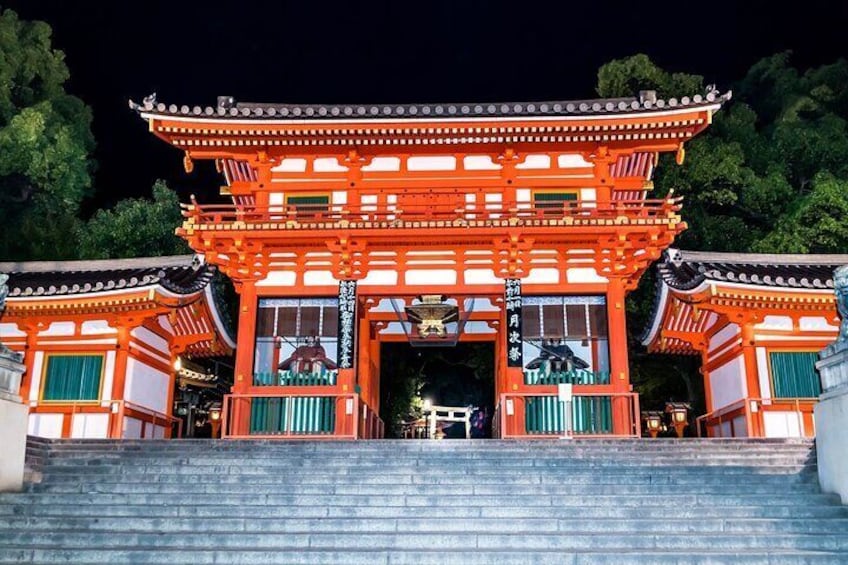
(147, 386)
(727, 383)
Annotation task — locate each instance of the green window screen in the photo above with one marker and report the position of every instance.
(553, 199)
(794, 375)
(307, 200)
(308, 205)
(72, 377)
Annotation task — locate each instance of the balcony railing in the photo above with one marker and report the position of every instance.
(299, 416)
(388, 216)
(118, 411)
(746, 417)
(530, 415)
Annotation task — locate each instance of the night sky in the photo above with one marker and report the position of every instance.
(400, 51)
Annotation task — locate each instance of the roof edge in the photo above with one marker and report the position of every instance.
(678, 256)
(100, 264)
(228, 107)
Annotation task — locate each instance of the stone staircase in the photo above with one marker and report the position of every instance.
(388, 502)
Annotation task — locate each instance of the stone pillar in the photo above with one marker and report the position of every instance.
(13, 412)
(831, 412)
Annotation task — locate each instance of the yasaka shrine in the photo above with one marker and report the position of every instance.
(520, 224)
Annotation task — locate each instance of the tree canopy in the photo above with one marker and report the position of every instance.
(769, 176)
(45, 145)
(135, 227)
(46, 165)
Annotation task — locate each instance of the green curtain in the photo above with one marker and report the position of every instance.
(590, 415)
(310, 415)
(794, 374)
(73, 377)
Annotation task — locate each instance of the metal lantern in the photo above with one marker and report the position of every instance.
(679, 415)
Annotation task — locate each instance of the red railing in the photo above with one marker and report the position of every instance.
(605, 415)
(751, 411)
(299, 416)
(118, 411)
(479, 214)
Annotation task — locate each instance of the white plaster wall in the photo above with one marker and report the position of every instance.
(481, 276)
(278, 278)
(45, 425)
(817, 323)
(108, 376)
(379, 277)
(542, 276)
(35, 383)
(132, 428)
(291, 165)
(480, 163)
(430, 277)
(97, 327)
(535, 161)
(59, 328)
(383, 164)
(781, 424)
(319, 278)
(431, 163)
(727, 383)
(572, 160)
(94, 426)
(775, 323)
(10, 330)
(584, 275)
(152, 340)
(146, 386)
(763, 372)
(740, 426)
(724, 334)
(831, 417)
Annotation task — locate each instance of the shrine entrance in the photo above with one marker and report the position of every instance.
(415, 379)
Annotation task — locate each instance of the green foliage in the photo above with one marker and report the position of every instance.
(626, 77)
(818, 222)
(135, 227)
(45, 143)
(770, 176)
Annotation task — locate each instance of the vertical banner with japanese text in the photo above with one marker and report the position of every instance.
(514, 354)
(347, 321)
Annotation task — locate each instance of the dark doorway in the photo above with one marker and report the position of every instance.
(463, 375)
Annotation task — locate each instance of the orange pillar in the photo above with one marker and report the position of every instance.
(374, 402)
(752, 380)
(245, 343)
(119, 379)
(363, 362)
(29, 360)
(619, 370)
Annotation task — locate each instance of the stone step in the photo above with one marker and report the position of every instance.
(418, 557)
(248, 469)
(570, 526)
(277, 498)
(574, 541)
(355, 488)
(654, 510)
(670, 477)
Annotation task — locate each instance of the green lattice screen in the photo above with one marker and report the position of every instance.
(72, 377)
(794, 375)
(553, 199)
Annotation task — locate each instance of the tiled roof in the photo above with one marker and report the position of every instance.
(685, 270)
(180, 274)
(228, 108)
